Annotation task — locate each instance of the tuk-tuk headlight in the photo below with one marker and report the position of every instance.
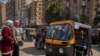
(68, 46)
(45, 47)
(84, 47)
(61, 50)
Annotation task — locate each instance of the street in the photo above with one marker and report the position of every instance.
(68, 27)
(28, 49)
(96, 51)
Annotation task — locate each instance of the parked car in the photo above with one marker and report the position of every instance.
(30, 33)
(22, 32)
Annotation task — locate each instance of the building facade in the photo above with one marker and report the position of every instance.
(20, 12)
(0, 15)
(39, 11)
(3, 13)
(11, 9)
(30, 11)
(17, 11)
(33, 11)
(77, 8)
(96, 8)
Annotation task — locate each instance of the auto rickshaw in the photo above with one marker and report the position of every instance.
(60, 39)
(68, 38)
(83, 40)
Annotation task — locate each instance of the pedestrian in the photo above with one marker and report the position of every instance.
(89, 44)
(15, 44)
(7, 39)
(42, 38)
(37, 44)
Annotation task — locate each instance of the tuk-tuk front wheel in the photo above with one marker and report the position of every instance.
(48, 55)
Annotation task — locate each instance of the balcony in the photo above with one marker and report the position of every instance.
(83, 3)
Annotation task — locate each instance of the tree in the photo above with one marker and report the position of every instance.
(84, 19)
(53, 13)
(96, 20)
(75, 18)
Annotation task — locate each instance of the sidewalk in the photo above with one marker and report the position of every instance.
(96, 50)
(0, 53)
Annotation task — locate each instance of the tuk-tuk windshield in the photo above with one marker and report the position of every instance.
(62, 32)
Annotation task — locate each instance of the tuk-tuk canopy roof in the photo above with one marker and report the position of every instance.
(78, 25)
(99, 29)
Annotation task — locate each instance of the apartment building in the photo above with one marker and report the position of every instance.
(39, 12)
(17, 11)
(96, 8)
(30, 11)
(76, 8)
(20, 12)
(33, 11)
(0, 15)
(3, 13)
(11, 9)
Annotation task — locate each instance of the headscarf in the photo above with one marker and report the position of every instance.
(9, 23)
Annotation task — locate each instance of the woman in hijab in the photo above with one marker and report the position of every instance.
(7, 39)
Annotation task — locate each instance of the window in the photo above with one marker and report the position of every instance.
(75, 1)
(39, 18)
(39, 8)
(98, 13)
(67, 3)
(83, 3)
(75, 10)
(98, 5)
(40, 4)
(60, 32)
(67, 0)
(88, 0)
(39, 13)
(88, 10)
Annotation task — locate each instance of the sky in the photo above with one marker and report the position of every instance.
(3, 0)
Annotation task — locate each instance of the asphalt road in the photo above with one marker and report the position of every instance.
(28, 49)
(96, 50)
